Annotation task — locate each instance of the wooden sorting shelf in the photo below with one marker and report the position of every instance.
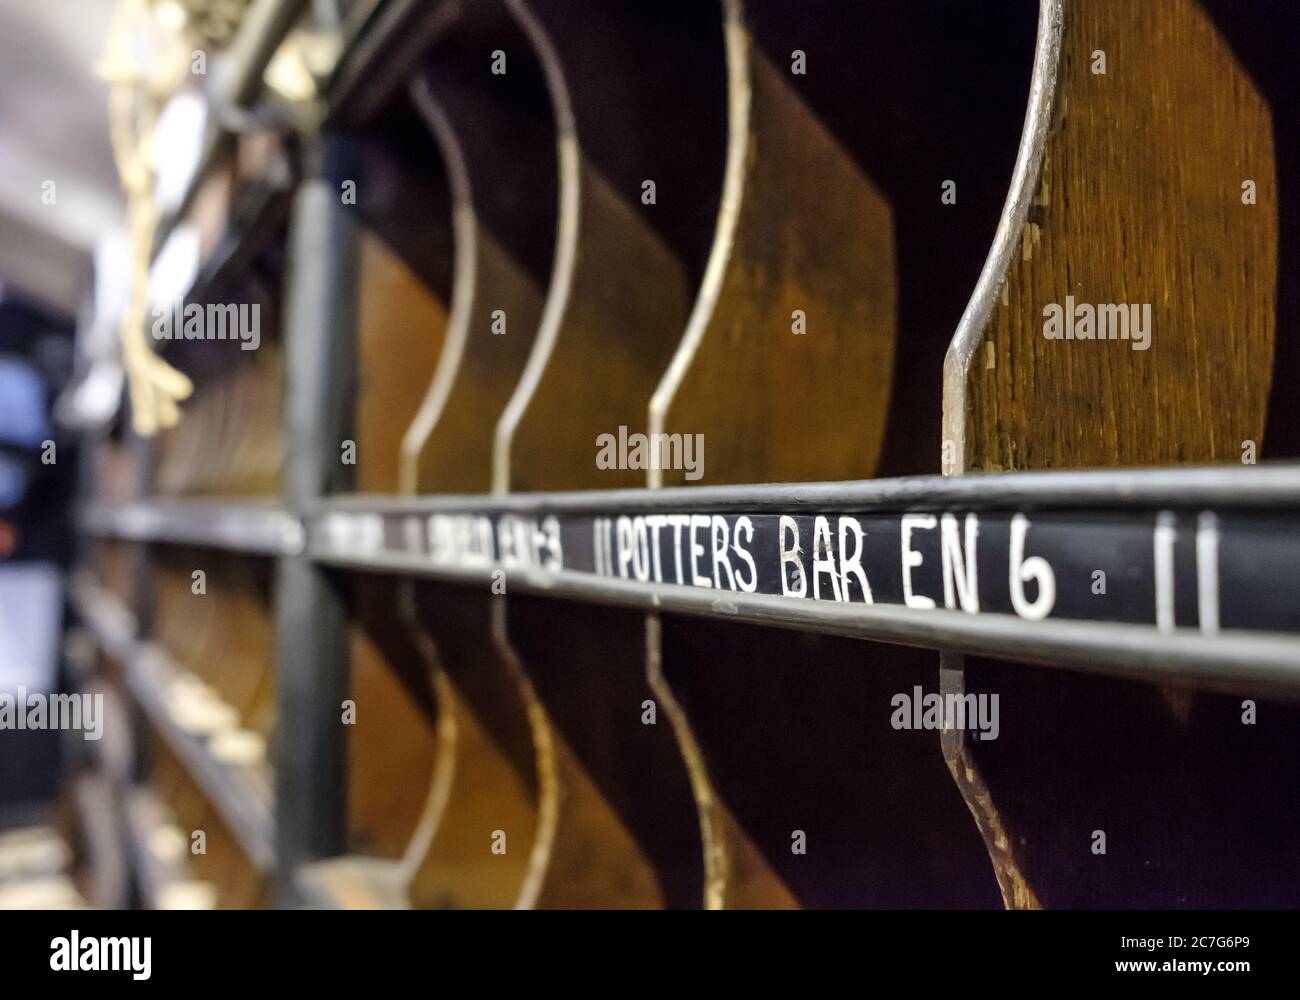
(840, 287)
(242, 795)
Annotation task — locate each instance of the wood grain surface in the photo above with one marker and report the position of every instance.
(1140, 200)
(882, 268)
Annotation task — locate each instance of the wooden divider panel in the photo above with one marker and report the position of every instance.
(404, 280)
(401, 326)
(641, 147)
(497, 139)
(229, 442)
(465, 827)
(112, 561)
(496, 131)
(216, 629)
(1138, 206)
(1130, 314)
(391, 743)
(405, 285)
(872, 147)
(217, 625)
(220, 861)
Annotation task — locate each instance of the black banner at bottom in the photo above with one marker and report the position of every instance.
(397, 951)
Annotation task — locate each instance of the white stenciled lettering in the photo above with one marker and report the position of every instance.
(720, 557)
(1163, 556)
(747, 526)
(523, 543)
(851, 559)
(623, 533)
(460, 540)
(912, 558)
(552, 545)
(824, 559)
(640, 549)
(960, 579)
(412, 534)
(1207, 572)
(597, 549)
(1023, 570)
(359, 534)
(790, 557)
(678, 522)
(698, 521)
(656, 522)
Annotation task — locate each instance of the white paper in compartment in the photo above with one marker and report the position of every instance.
(31, 606)
(175, 268)
(179, 142)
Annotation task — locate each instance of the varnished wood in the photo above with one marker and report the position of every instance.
(1137, 199)
(482, 849)
(487, 712)
(402, 325)
(391, 741)
(238, 884)
(879, 266)
(222, 634)
(495, 138)
(823, 250)
(624, 277)
(496, 135)
(795, 731)
(494, 142)
(402, 320)
(230, 444)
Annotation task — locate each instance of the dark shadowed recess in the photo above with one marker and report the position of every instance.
(504, 124)
(461, 619)
(648, 82)
(796, 731)
(402, 195)
(593, 685)
(1198, 808)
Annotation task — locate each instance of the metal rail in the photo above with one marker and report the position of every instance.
(251, 527)
(1199, 561)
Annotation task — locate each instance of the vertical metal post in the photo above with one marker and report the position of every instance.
(144, 460)
(141, 564)
(310, 612)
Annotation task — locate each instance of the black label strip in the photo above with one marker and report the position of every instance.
(1203, 570)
